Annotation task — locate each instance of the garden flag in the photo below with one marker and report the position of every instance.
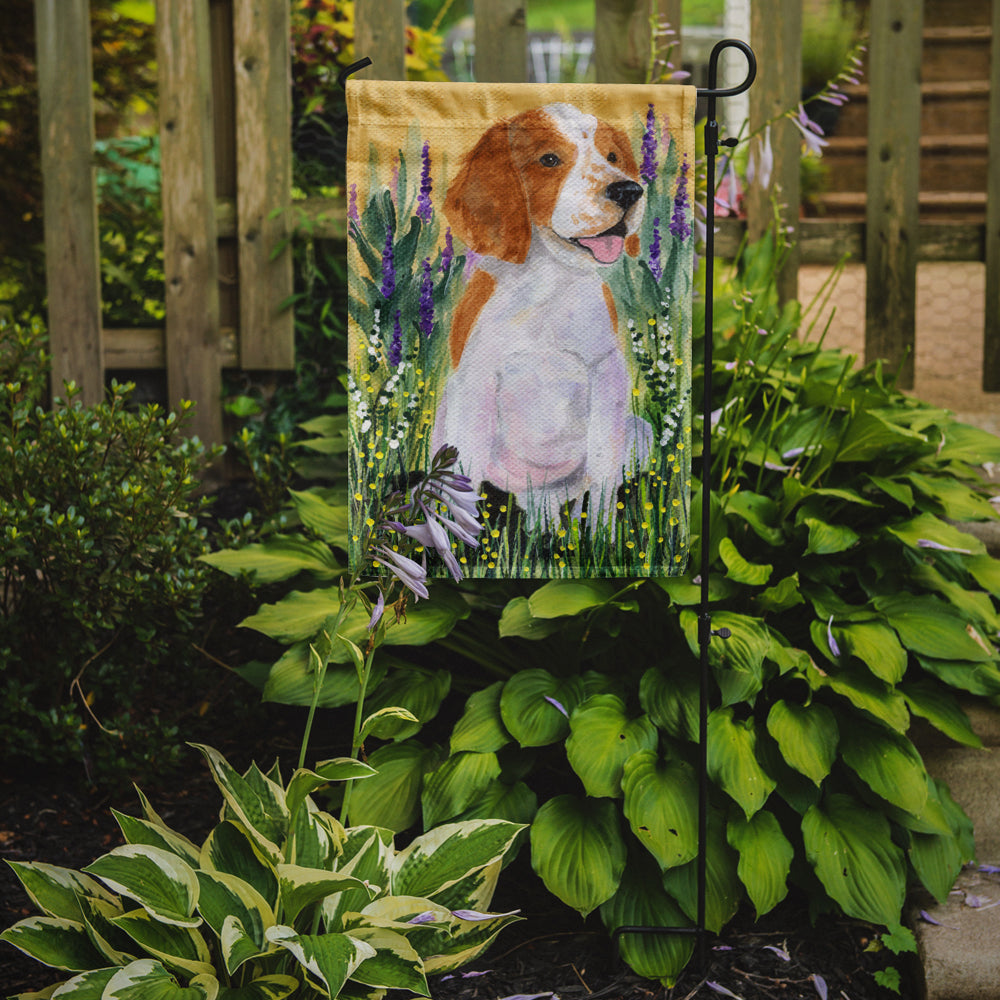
(521, 262)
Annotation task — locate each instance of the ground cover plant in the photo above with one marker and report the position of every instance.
(854, 602)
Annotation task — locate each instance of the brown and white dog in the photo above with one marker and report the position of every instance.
(538, 401)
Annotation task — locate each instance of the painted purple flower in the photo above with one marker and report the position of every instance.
(648, 170)
(449, 250)
(411, 574)
(388, 266)
(396, 344)
(424, 208)
(352, 207)
(426, 300)
(654, 252)
(679, 224)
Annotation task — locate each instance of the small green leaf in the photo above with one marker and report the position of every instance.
(391, 798)
(888, 763)
(54, 941)
(765, 858)
(535, 706)
(456, 784)
(147, 979)
(932, 628)
(330, 958)
(741, 571)
(807, 736)
(559, 598)
(828, 539)
(481, 727)
(732, 760)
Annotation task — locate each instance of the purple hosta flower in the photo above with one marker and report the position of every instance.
(352, 206)
(396, 344)
(388, 266)
(831, 642)
(654, 252)
(476, 915)
(431, 534)
(927, 543)
(411, 574)
(679, 224)
(377, 612)
(812, 134)
(426, 300)
(424, 208)
(427, 917)
(760, 165)
(648, 169)
(449, 250)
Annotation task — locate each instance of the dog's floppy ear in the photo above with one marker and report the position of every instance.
(486, 204)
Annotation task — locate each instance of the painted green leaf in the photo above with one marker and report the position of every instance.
(180, 948)
(641, 901)
(159, 881)
(147, 979)
(54, 941)
(976, 678)
(739, 569)
(517, 620)
(577, 850)
(279, 558)
(602, 738)
(230, 849)
(481, 728)
(928, 528)
(56, 891)
(456, 784)
(661, 800)
(418, 690)
(558, 598)
(888, 763)
(765, 858)
(391, 798)
(807, 736)
(670, 698)
(439, 858)
(330, 958)
(535, 706)
(827, 539)
(395, 964)
(936, 704)
(850, 848)
(732, 760)
(931, 628)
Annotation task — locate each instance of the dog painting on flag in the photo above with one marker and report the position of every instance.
(521, 267)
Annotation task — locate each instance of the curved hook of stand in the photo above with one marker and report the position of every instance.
(712, 90)
(353, 68)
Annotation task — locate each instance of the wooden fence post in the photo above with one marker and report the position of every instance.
(622, 40)
(776, 34)
(262, 61)
(991, 333)
(380, 34)
(501, 41)
(893, 183)
(72, 255)
(190, 251)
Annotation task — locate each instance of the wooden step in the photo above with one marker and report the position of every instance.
(956, 53)
(939, 13)
(958, 206)
(944, 104)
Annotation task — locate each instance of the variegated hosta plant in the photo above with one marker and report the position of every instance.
(279, 900)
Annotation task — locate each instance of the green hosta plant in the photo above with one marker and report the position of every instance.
(280, 899)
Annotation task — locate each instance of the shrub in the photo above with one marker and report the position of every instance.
(99, 539)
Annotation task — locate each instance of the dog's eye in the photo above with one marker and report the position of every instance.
(612, 157)
(549, 160)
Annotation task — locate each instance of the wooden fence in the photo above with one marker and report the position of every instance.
(226, 161)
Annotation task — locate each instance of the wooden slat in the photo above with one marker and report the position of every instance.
(262, 62)
(776, 35)
(144, 348)
(893, 184)
(621, 40)
(72, 257)
(380, 34)
(991, 332)
(501, 41)
(190, 254)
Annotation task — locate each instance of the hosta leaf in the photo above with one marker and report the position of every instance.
(180, 948)
(517, 620)
(976, 605)
(760, 512)
(301, 887)
(530, 706)
(936, 704)
(390, 723)
(661, 798)
(876, 646)
(828, 539)
(304, 782)
(395, 964)
(558, 598)
(976, 678)
(850, 848)
(230, 849)
(56, 891)
(986, 571)
(516, 803)
(670, 698)
(765, 858)
(329, 521)
(807, 736)
(732, 760)
(466, 941)
(739, 569)
(279, 558)
(291, 680)
(723, 889)
(456, 784)
(481, 728)
(578, 851)
(159, 881)
(98, 916)
(866, 692)
(602, 738)
(225, 897)
(87, 986)
(738, 661)
(366, 855)
(141, 831)
(870, 435)
(54, 941)
(932, 628)
(441, 857)
(274, 987)
(416, 689)
(888, 763)
(783, 595)
(147, 979)
(928, 528)
(965, 443)
(391, 798)
(330, 959)
(937, 860)
(957, 501)
(641, 901)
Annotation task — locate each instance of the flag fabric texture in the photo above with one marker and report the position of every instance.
(520, 288)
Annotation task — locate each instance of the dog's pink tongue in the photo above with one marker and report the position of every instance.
(606, 249)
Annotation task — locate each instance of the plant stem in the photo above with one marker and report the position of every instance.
(356, 737)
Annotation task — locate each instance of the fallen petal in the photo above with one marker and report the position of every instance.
(820, 983)
(476, 915)
(558, 705)
(719, 988)
(780, 952)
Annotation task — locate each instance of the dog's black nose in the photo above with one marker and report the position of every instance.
(624, 193)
